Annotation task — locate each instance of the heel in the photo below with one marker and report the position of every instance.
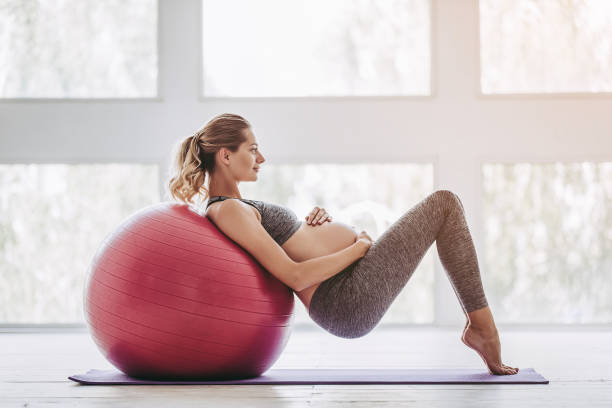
(481, 356)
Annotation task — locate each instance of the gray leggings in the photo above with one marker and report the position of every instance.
(352, 302)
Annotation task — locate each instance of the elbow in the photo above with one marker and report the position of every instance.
(297, 281)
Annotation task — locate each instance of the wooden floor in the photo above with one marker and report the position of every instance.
(34, 368)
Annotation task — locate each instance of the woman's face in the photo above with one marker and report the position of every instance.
(247, 159)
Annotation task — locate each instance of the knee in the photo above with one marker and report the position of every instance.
(446, 194)
(448, 197)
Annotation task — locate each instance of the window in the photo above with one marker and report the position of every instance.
(315, 48)
(78, 49)
(545, 46)
(53, 218)
(370, 197)
(548, 241)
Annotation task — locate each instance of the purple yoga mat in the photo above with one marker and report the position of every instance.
(336, 376)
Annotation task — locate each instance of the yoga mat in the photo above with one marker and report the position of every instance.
(335, 376)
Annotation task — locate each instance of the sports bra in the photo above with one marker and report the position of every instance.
(279, 221)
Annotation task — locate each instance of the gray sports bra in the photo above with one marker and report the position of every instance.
(280, 222)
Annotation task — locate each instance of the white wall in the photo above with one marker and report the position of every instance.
(456, 127)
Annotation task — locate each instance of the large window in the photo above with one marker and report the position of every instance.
(315, 48)
(53, 218)
(370, 197)
(549, 242)
(78, 49)
(545, 46)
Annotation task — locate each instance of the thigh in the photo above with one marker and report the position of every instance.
(383, 272)
(365, 290)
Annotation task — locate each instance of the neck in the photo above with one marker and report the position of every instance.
(216, 188)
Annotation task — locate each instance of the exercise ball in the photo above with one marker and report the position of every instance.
(169, 296)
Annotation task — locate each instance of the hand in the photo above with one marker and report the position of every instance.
(365, 240)
(318, 216)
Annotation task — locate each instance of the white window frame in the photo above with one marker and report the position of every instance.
(457, 128)
(156, 98)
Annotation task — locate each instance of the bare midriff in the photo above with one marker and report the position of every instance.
(313, 241)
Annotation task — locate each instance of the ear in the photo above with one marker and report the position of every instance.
(223, 155)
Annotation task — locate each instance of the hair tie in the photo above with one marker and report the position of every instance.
(195, 142)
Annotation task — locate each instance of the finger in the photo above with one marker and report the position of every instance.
(321, 217)
(318, 215)
(312, 215)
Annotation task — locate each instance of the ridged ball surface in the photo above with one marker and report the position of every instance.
(168, 295)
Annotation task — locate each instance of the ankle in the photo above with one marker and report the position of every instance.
(483, 328)
(482, 320)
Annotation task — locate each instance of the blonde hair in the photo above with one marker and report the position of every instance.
(195, 156)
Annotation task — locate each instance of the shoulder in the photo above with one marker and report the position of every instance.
(238, 221)
(230, 208)
(213, 209)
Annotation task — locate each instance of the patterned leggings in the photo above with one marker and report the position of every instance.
(352, 302)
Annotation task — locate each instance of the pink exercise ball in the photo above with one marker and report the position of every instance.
(169, 296)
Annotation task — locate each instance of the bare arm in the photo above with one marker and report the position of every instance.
(240, 224)
(315, 270)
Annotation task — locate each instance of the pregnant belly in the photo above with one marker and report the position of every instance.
(312, 241)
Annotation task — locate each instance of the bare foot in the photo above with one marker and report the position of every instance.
(486, 344)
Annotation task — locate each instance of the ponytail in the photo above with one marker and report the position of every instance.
(195, 156)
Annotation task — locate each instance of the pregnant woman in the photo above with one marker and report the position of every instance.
(346, 281)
